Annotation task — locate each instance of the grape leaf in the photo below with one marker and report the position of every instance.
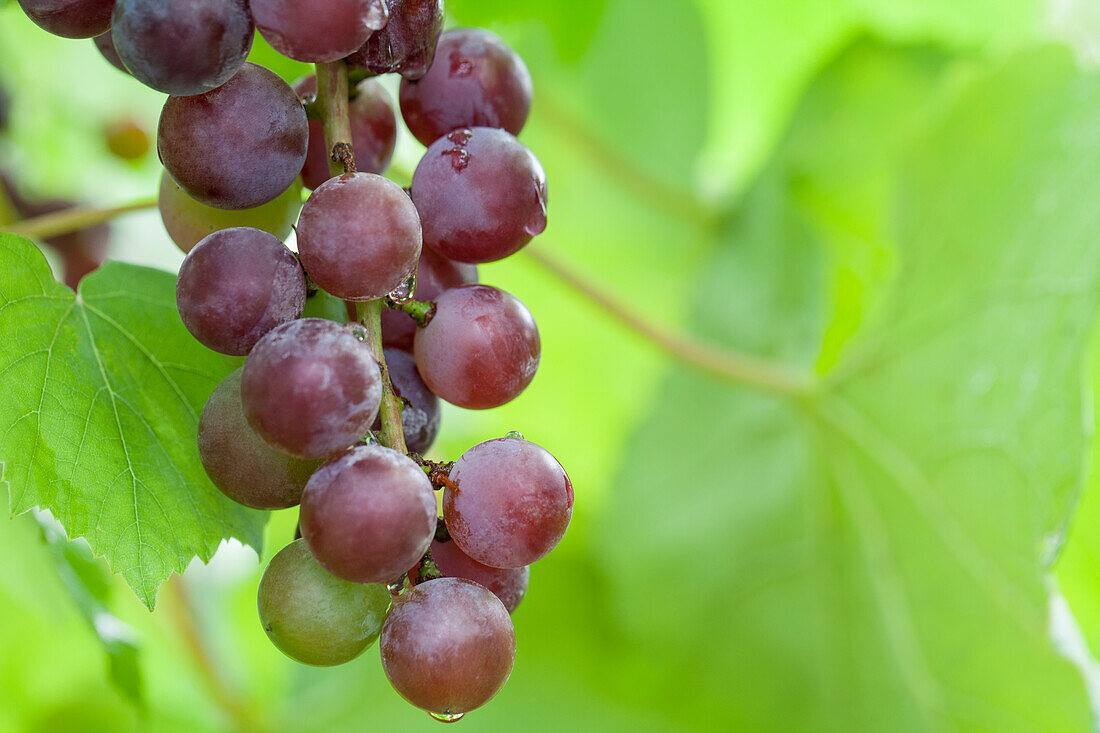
(102, 392)
(873, 554)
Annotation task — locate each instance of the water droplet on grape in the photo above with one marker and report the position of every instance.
(514, 434)
(396, 587)
(537, 223)
(447, 717)
(404, 292)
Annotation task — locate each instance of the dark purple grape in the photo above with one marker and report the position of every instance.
(70, 18)
(373, 131)
(420, 414)
(238, 146)
(448, 646)
(311, 388)
(507, 584)
(187, 221)
(314, 617)
(182, 47)
(320, 30)
(106, 44)
(359, 236)
(434, 274)
(510, 505)
(244, 467)
(235, 286)
(368, 515)
(406, 44)
(481, 195)
(480, 350)
(476, 80)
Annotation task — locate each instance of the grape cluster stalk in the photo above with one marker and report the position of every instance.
(335, 416)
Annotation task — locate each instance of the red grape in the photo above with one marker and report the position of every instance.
(475, 81)
(238, 146)
(238, 462)
(510, 504)
(507, 584)
(359, 236)
(182, 47)
(236, 285)
(373, 131)
(70, 18)
(368, 515)
(480, 193)
(311, 388)
(434, 274)
(420, 414)
(448, 646)
(480, 350)
(106, 44)
(407, 42)
(320, 30)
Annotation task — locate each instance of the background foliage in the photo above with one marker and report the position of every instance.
(895, 197)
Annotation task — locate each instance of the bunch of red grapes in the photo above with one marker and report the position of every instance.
(299, 423)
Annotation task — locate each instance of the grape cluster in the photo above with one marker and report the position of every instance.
(299, 422)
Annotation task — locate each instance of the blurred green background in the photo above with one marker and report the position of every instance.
(900, 197)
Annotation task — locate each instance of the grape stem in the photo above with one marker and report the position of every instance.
(421, 311)
(73, 220)
(332, 97)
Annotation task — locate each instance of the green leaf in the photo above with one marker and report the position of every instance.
(873, 554)
(87, 581)
(99, 413)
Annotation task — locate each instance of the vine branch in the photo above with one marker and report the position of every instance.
(73, 220)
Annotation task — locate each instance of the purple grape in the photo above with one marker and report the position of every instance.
(448, 646)
(70, 18)
(311, 388)
(510, 504)
(368, 515)
(81, 252)
(182, 47)
(373, 131)
(359, 236)
(480, 350)
(434, 274)
(314, 617)
(481, 195)
(406, 44)
(187, 221)
(320, 30)
(238, 146)
(235, 286)
(507, 584)
(238, 462)
(420, 415)
(105, 44)
(476, 80)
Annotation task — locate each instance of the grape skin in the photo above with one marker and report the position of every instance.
(407, 42)
(476, 80)
(359, 236)
(481, 195)
(448, 646)
(373, 131)
(311, 388)
(238, 146)
(511, 505)
(480, 350)
(420, 414)
(507, 584)
(316, 618)
(320, 30)
(238, 462)
(105, 43)
(368, 515)
(187, 221)
(70, 18)
(182, 48)
(434, 274)
(235, 286)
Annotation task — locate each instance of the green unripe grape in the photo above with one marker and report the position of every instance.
(314, 617)
(188, 220)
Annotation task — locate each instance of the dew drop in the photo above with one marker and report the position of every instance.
(514, 434)
(396, 587)
(447, 717)
(404, 292)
